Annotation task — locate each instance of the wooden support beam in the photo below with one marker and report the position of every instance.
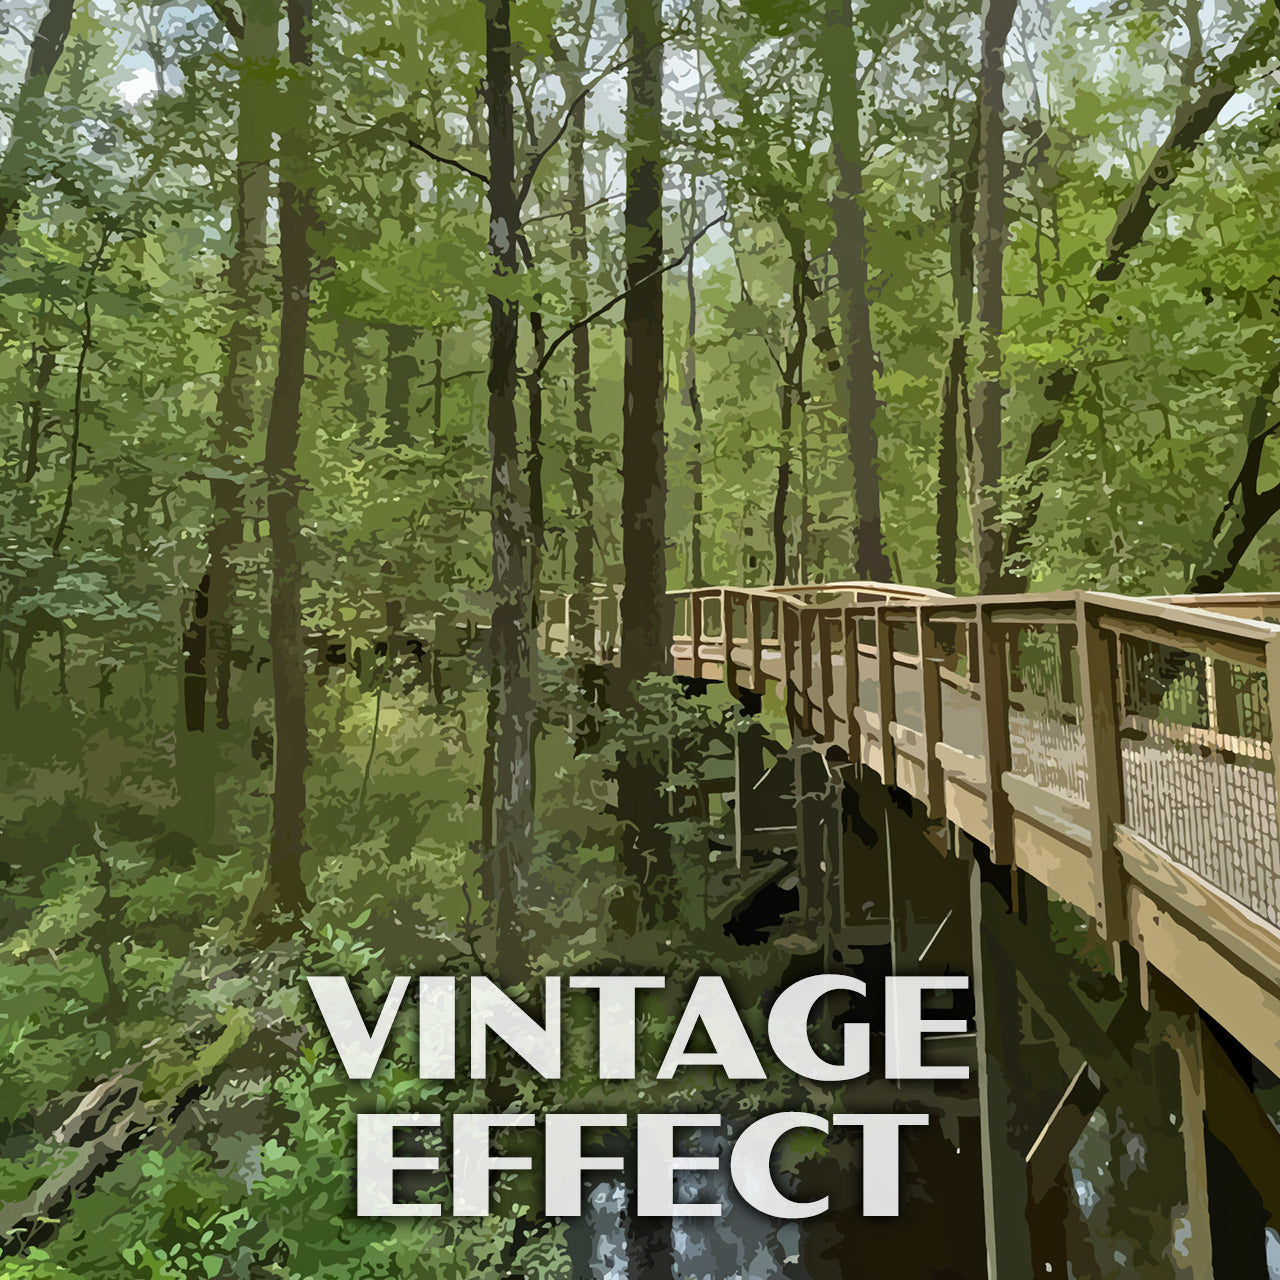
(1004, 1173)
(1062, 1130)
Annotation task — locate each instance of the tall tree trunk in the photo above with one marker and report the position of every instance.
(283, 893)
(402, 372)
(213, 616)
(791, 397)
(511, 704)
(693, 398)
(856, 383)
(644, 607)
(22, 162)
(955, 398)
(989, 232)
(644, 464)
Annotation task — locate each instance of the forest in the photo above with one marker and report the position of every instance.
(340, 342)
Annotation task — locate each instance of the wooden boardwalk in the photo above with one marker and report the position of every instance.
(1120, 751)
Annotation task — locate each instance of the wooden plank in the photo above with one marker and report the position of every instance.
(1101, 706)
(1210, 976)
(1224, 923)
(826, 676)
(804, 675)
(1210, 642)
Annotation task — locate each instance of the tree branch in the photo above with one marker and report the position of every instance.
(565, 213)
(613, 302)
(565, 119)
(455, 164)
(229, 19)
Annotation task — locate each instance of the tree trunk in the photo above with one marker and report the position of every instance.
(213, 618)
(791, 396)
(644, 478)
(1247, 509)
(402, 372)
(955, 399)
(856, 382)
(26, 134)
(989, 235)
(693, 399)
(511, 708)
(283, 891)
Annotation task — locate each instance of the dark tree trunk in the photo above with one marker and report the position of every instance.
(693, 399)
(856, 382)
(955, 399)
(1248, 509)
(989, 235)
(791, 397)
(402, 372)
(644, 608)
(235, 416)
(511, 705)
(644, 465)
(21, 158)
(283, 893)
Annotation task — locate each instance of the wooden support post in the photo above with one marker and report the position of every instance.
(1184, 1032)
(726, 622)
(1004, 1170)
(851, 692)
(931, 660)
(884, 682)
(1101, 705)
(748, 769)
(813, 799)
(993, 689)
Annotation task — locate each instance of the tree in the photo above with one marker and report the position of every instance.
(284, 894)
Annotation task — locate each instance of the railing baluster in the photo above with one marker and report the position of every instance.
(695, 631)
(851, 686)
(884, 678)
(755, 641)
(827, 681)
(805, 659)
(931, 658)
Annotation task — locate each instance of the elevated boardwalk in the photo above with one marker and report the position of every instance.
(1120, 751)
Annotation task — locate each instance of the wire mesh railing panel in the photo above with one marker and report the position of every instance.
(1199, 781)
(1046, 739)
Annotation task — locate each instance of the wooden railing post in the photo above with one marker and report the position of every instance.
(1101, 708)
(695, 631)
(826, 682)
(1273, 713)
(787, 625)
(993, 690)
(931, 659)
(756, 643)
(804, 681)
(884, 680)
(851, 685)
(726, 620)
